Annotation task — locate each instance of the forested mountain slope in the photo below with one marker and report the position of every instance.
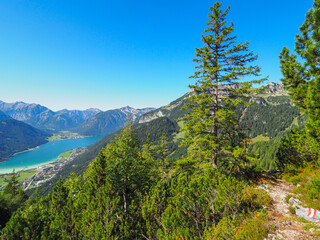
(17, 136)
(61, 120)
(107, 122)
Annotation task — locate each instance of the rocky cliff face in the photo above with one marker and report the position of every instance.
(135, 113)
(174, 108)
(150, 117)
(277, 88)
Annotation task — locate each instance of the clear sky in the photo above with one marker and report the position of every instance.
(106, 54)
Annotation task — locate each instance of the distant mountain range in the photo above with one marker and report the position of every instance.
(43, 118)
(107, 122)
(17, 136)
(90, 122)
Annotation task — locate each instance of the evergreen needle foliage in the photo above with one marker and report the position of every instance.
(223, 74)
(301, 71)
(12, 198)
(301, 77)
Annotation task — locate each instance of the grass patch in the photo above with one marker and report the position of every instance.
(179, 135)
(25, 175)
(4, 179)
(295, 218)
(65, 155)
(254, 228)
(308, 226)
(260, 138)
(308, 180)
(63, 135)
(180, 123)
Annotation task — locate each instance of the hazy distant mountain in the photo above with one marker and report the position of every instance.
(84, 115)
(3, 116)
(17, 136)
(43, 118)
(22, 111)
(110, 121)
(61, 120)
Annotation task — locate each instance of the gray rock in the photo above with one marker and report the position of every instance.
(303, 212)
(294, 201)
(264, 187)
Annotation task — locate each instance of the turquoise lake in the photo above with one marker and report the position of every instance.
(47, 152)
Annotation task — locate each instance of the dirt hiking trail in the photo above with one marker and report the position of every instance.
(287, 225)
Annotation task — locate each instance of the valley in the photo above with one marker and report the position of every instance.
(45, 153)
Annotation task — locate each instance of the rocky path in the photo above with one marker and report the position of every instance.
(287, 225)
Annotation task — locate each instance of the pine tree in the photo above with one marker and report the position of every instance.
(301, 71)
(13, 187)
(224, 77)
(130, 174)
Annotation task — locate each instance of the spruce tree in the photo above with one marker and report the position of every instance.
(301, 71)
(224, 77)
(129, 174)
(13, 187)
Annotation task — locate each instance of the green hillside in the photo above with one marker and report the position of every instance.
(16, 136)
(107, 122)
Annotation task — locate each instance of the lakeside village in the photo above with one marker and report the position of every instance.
(46, 171)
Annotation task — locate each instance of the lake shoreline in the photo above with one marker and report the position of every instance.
(29, 149)
(44, 154)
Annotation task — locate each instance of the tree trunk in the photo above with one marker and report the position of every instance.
(215, 125)
(124, 195)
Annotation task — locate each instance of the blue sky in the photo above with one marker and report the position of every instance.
(108, 54)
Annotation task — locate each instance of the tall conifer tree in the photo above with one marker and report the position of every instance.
(13, 187)
(224, 76)
(301, 71)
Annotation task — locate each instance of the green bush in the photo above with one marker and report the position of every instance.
(255, 228)
(314, 188)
